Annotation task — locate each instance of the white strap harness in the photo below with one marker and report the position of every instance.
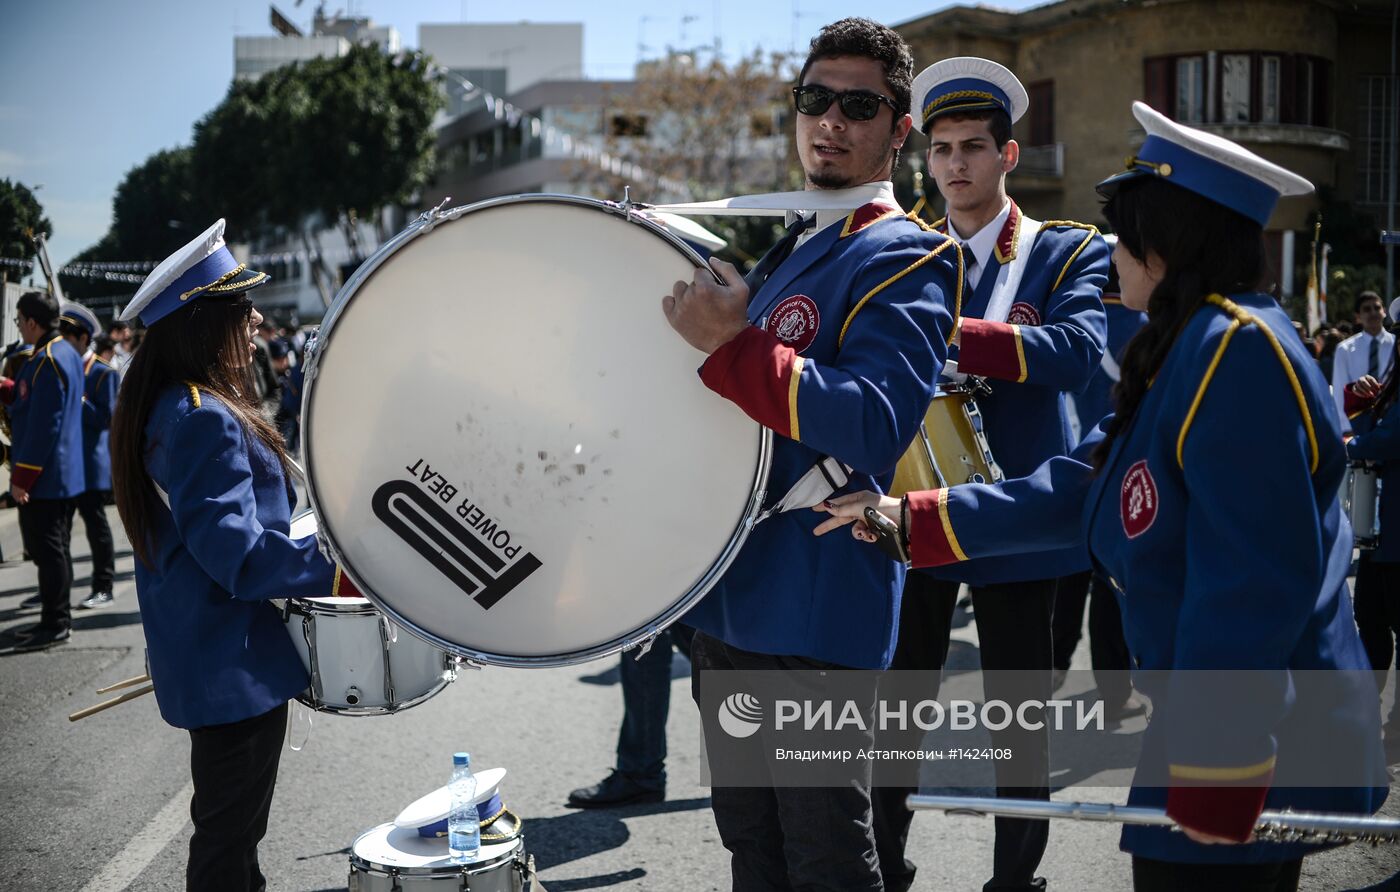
(1009, 274)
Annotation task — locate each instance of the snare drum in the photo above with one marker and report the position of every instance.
(389, 858)
(360, 663)
(1361, 499)
(535, 475)
(950, 447)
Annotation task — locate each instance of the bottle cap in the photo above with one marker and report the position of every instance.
(459, 759)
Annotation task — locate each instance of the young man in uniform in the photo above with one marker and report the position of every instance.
(1032, 324)
(835, 347)
(79, 326)
(46, 474)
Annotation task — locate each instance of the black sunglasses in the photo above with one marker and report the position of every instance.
(858, 105)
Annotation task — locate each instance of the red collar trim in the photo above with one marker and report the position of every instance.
(1009, 236)
(866, 215)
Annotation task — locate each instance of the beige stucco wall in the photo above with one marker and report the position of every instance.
(1095, 58)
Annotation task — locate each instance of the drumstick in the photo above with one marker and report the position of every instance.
(125, 684)
(108, 704)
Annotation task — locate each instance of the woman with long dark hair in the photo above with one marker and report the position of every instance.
(1209, 502)
(200, 480)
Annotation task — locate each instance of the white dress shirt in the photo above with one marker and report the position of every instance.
(980, 245)
(1351, 361)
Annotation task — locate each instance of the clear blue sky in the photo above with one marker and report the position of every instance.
(90, 88)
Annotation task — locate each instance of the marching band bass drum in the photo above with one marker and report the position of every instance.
(509, 450)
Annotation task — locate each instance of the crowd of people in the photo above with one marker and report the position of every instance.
(1117, 376)
(58, 413)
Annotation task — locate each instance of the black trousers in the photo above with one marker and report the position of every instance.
(790, 839)
(234, 767)
(1169, 876)
(1013, 629)
(91, 507)
(1108, 651)
(1377, 607)
(46, 526)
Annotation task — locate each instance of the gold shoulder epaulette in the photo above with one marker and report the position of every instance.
(1069, 224)
(194, 394)
(1239, 318)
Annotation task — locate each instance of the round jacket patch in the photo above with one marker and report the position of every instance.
(795, 321)
(23, 389)
(1023, 314)
(1138, 504)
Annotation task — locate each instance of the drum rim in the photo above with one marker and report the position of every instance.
(443, 681)
(318, 344)
(362, 863)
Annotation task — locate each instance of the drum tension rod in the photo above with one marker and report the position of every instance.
(429, 219)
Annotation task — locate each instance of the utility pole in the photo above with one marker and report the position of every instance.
(1393, 94)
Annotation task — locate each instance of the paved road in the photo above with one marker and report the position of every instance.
(102, 804)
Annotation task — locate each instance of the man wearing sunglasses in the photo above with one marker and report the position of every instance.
(1033, 326)
(834, 343)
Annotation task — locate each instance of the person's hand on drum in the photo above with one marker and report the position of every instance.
(708, 314)
(851, 507)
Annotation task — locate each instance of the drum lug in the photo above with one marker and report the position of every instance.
(431, 218)
(384, 638)
(308, 631)
(644, 646)
(755, 513)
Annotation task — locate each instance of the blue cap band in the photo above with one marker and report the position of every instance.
(203, 274)
(964, 94)
(1217, 181)
(485, 811)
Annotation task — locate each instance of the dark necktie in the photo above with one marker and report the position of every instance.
(1373, 362)
(969, 263)
(776, 254)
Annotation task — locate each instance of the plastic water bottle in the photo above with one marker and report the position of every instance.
(463, 828)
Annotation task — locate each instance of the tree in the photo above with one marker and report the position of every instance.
(341, 138)
(157, 207)
(721, 129)
(21, 218)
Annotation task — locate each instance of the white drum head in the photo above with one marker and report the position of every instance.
(507, 445)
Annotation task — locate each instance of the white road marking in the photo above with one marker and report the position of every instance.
(145, 846)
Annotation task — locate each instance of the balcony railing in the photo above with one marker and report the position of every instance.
(1042, 161)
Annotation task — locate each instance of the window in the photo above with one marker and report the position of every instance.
(1042, 113)
(1191, 89)
(1240, 87)
(627, 125)
(1269, 90)
(1234, 88)
(1373, 139)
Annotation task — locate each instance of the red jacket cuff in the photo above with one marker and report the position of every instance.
(759, 374)
(932, 542)
(25, 476)
(342, 587)
(1354, 404)
(7, 391)
(1230, 812)
(991, 349)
